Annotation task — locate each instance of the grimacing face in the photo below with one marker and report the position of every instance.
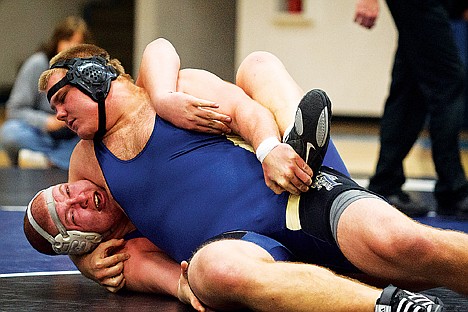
(84, 206)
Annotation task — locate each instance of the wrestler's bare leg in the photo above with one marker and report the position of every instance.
(264, 78)
(281, 101)
(385, 243)
(254, 280)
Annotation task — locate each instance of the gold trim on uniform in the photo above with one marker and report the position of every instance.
(292, 209)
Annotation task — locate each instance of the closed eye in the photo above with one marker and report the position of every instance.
(62, 96)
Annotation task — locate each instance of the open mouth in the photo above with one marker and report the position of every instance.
(97, 201)
(70, 124)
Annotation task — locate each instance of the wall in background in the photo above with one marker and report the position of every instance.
(24, 26)
(202, 31)
(324, 48)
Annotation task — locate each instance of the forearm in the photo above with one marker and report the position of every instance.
(160, 282)
(254, 123)
(159, 69)
(152, 272)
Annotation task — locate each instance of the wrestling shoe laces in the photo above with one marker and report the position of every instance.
(394, 299)
(310, 133)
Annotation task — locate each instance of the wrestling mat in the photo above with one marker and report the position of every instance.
(30, 281)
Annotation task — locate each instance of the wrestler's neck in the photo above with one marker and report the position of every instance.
(123, 228)
(132, 120)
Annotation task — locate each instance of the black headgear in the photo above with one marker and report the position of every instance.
(93, 77)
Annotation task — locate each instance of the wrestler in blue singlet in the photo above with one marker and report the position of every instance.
(186, 187)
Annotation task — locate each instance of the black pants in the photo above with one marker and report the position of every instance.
(427, 85)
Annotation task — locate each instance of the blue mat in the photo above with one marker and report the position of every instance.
(17, 256)
(445, 223)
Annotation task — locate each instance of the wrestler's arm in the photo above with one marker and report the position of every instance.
(158, 74)
(136, 265)
(284, 169)
(149, 269)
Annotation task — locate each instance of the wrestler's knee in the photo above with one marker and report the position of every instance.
(224, 265)
(404, 242)
(251, 63)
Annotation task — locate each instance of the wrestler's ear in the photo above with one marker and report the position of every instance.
(184, 268)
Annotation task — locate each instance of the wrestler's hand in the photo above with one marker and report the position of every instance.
(104, 265)
(366, 13)
(285, 170)
(188, 112)
(184, 293)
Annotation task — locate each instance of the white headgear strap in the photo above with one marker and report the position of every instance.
(66, 242)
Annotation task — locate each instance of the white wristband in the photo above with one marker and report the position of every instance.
(266, 147)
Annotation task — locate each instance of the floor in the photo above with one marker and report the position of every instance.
(30, 281)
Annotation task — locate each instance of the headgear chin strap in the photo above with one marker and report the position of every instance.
(65, 242)
(93, 77)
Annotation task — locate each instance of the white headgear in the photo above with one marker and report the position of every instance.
(66, 242)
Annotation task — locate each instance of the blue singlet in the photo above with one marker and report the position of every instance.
(186, 187)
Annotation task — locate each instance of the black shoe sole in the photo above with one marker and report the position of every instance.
(311, 132)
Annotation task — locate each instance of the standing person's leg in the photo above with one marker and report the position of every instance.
(405, 111)
(431, 67)
(442, 83)
(402, 121)
(265, 79)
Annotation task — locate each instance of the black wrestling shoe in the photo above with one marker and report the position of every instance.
(310, 134)
(394, 299)
(406, 204)
(457, 209)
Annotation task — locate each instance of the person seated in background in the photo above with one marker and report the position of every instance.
(30, 122)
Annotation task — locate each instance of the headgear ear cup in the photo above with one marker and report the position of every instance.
(76, 242)
(93, 76)
(65, 242)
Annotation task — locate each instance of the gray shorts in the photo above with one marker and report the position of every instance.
(319, 212)
(320, 209)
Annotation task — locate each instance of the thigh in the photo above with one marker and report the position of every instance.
(373, 235)
(316, 204)
(226, 264)
(205, 85)
(274, 248)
